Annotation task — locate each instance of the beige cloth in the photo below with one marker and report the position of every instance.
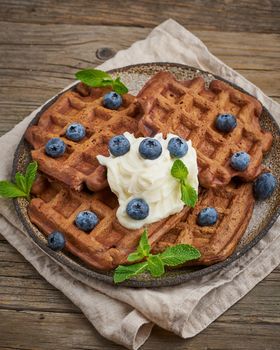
(123, 315)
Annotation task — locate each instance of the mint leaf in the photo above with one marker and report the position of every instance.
(134, 256)
(179, 170)
(23, 183)
(20, 182)
(104, 82)
(98, 78)
(92, 77)
(155, 265)
(179, 254)
(10, 190)
(119, 87)
(172, 256)
(143, 248)
(124, 272)
(188, 194)
(109, 79)
(30, 176)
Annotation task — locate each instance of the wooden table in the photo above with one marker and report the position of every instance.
(43, 43)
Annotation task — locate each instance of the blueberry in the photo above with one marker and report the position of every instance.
(225, 122)
(55, 147)
(150, 148)
(240, 161)
(264, 186)
(86, 220)
(137, 209)
(56, 240)
(75, 132)
(207, 217)
(119, 145)
(177, 147)
(112, 100)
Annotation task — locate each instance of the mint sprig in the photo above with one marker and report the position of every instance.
(180, 172)
(123, 272)
(142, 250)
(176, 255)
(22, 185)
(155, 264)
(98, 78)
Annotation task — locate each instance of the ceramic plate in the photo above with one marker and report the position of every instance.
(264, 215)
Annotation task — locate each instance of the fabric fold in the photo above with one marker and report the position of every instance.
(125, 315)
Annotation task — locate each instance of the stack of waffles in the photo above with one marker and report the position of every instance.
(76, 182)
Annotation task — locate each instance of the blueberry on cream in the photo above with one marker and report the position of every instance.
(146, 190)
(119, 145)
(137, 209)
(177, 147)
(150, 148)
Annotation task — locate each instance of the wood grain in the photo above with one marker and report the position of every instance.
(50, 320)
(229, 15)
(41, 60)
(42, 44)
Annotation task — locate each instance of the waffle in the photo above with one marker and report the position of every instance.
(234, 204)
(55, 207)
(188, 109)
(79, 166)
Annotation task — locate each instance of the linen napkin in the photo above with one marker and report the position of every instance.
(125, 315)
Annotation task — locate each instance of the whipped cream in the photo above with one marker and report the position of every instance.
(131, 176)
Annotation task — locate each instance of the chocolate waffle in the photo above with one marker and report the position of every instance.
(55, 207)
(189, 109)
(234, 204)
(79, 166)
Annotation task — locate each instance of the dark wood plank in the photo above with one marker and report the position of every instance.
(17, 275)
(22, 288)
(48, 330)
(47, 318)
(245, 15)
(37, 61)
(41, 60)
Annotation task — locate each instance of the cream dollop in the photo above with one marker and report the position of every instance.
(131, 176)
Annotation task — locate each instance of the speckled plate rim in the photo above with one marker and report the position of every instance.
(165, 281)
